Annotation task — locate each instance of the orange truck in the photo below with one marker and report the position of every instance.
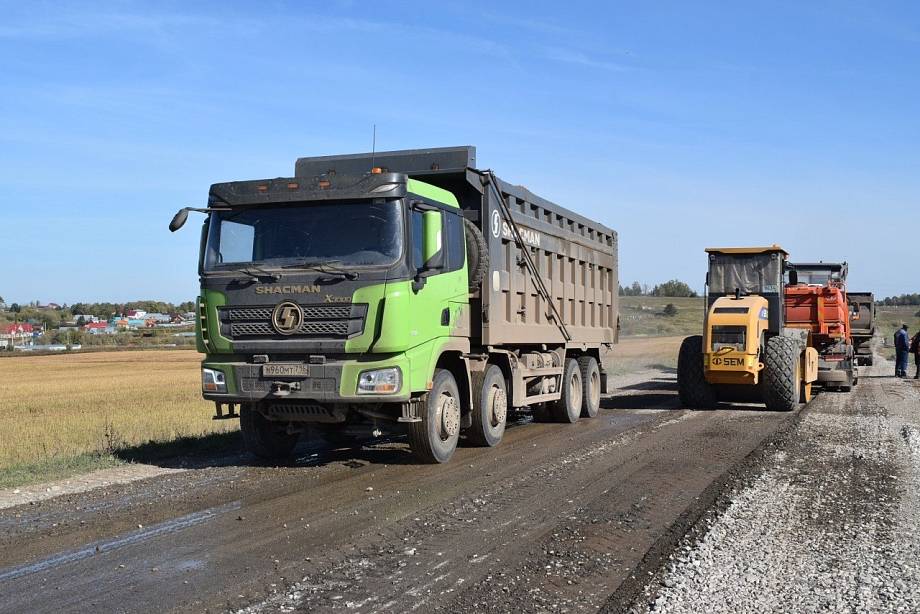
(815, 299)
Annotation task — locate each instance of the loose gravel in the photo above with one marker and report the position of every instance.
(830, 524)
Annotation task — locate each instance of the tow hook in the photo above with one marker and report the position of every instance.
(282, 389)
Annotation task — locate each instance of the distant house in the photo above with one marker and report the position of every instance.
(16, 328)
(98, 327)
(135, 314)
(18, 332)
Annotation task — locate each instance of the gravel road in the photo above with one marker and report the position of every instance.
(829, 521)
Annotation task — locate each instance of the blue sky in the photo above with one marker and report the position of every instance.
(681, 125)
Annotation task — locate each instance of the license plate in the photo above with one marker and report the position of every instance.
(285, 370)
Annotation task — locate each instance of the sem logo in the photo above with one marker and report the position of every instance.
(287, 317)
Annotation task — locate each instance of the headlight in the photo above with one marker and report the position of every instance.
(380, 381)
(213, 381)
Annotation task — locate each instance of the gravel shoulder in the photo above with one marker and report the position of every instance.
(20, 495)
(830, 520)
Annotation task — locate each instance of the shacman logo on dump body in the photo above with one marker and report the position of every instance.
(288, 289)
(287, 317)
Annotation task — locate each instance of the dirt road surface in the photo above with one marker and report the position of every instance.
(558, 518)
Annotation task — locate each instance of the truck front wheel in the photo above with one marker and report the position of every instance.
(433, 439)
(264, 438)
(568, 407)
(490, 407)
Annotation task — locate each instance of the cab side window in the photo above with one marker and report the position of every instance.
(417, 239)
(452, 241)
(455, 242)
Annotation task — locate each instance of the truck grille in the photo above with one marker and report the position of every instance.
(319, 321)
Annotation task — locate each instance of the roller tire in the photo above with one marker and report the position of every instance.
(434, 438)
(781, 374)
(568, 408)
(692, 387)
(264, 438)
(490, 407)
(591, 386)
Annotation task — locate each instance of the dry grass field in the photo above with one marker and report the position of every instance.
(637, 353)
(92, 405)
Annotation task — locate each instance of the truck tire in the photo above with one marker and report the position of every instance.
(848, 384)
(692, 387)
(490, 407)
(568, 408)
(591, 386)
(264, 438)
(477, 254)
(781, 374)
(433, 439)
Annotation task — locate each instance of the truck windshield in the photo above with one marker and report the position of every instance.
(353, 234)
(750, 273)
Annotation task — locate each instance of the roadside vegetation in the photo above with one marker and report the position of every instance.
(650, 316)
(75, 412)
(888, 319)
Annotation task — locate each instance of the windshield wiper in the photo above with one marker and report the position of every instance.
(324, 266)
(255, 274)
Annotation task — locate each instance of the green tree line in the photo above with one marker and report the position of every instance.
(904, 299)
(673, 288)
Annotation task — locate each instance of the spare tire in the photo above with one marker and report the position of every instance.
(477, 254)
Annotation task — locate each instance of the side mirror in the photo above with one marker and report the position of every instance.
(178, 220)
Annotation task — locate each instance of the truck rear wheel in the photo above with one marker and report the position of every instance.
(264, 438)
(490, 407)
(433, 439)
(692, 387)
(568, 408)
(591, 386)
(781, 374)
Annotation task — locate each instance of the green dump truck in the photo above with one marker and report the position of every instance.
(399, 292)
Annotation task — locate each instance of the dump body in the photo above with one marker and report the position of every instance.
(862, 325)
(576, 258)
(822, 310)
(395, 292)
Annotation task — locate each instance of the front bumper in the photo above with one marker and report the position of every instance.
(334, 382)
